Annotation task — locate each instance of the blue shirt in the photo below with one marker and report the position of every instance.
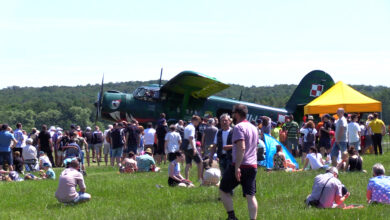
(144, 162)
(5, 141)
(18, 134)
(380, 188)
(50, 174)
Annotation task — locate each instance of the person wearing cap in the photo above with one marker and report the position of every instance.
(146, 162)
(208, 136)
(29, 155)
(328, 190)
(69, 179)
(48, 172)
(43, 158)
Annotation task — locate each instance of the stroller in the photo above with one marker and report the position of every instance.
(73, 152)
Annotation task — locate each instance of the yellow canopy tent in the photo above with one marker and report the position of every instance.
(341, 95)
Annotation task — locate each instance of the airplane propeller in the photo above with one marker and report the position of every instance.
(98, 103)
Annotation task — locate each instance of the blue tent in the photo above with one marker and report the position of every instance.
(270, 147)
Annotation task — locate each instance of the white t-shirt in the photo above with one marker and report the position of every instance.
(342, 122)
(353, 132)
(315, 162)
(225, 135)
(305, 131)
(149, 136)
(173, 139)
(105, 136)
(45, 159)
(189, 131)
(29, 152)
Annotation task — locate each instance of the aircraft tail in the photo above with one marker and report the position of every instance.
(311, 86)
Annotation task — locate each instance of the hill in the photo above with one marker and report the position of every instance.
(63, 105)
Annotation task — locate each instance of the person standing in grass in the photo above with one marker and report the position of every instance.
(378, 129)
(341, 137)
(190, 150)
(243, 170)
(292, 129)
(117, 139)
(378, 188)
(69, 179)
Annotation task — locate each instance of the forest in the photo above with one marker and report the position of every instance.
(62, 105)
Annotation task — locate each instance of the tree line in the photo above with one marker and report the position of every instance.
(64, 105)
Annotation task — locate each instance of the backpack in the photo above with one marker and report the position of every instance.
(97, 137)
(310, 136)
(63, 142)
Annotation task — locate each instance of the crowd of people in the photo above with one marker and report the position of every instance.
(216, 146)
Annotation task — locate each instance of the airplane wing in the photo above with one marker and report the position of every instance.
(196, 84)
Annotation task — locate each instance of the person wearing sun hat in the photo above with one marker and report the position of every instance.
(146, 162)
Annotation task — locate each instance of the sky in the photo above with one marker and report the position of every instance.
(260, 43)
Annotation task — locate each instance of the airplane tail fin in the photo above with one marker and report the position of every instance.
(311, 86)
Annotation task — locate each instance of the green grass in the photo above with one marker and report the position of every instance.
(120, 196)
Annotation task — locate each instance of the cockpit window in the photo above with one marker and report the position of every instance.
(147, 94)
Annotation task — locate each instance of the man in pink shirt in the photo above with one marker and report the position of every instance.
(243, 170)
(69, 180)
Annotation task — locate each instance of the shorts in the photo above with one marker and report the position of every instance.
(248, 180)
(173, 182)
(341, 146)
(90, 146)
(325, 142)
(190, 156)
(159, 148)
(98, 147)
(6, 157)
(116, 152)
(292, 143)
(131, 148)
(306, 147)
(106, 148)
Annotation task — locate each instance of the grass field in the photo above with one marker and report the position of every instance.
(120, 196)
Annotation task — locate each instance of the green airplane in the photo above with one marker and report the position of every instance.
(190, 93)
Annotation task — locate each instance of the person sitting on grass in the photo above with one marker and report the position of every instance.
(211, 172)
(355, 161)
(43, 158)
(8, 175)
(29, 154)
(280, 161)
(343, 165)
(315, 160)
(129, 164)
(47, 172)
(146, 162)
(378, 188)
(328, 191)
(68, 181)
(175, 178)
(18, 162)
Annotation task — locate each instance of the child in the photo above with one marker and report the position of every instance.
(342, 166)
(175, 178)
(211, 174)
(43, 159)
(48, 172)
(129, 165)
(18, 162)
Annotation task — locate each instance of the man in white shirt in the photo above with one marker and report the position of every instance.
(341, 137)
(149, 136)
(354, 133)
(191, 152)
(172, 141)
